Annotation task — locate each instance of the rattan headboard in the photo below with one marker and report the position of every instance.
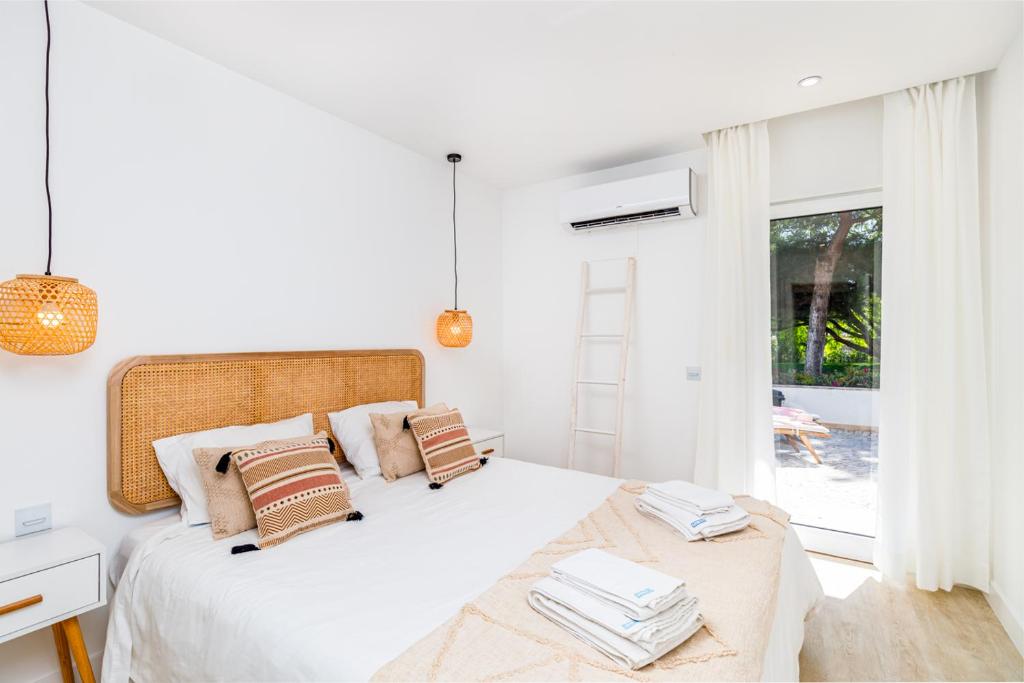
(150, 397)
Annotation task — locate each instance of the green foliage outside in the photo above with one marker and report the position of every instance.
(853, 345)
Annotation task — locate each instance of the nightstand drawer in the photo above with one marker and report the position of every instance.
(491, 448)
(64, 588)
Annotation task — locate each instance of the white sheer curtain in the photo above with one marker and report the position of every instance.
(735, 447)
(933, 431)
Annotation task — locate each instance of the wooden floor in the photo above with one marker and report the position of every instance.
(869, 629)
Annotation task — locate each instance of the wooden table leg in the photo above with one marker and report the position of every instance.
(792, 442)
(807, 442)
(73, 631)
(60, 641)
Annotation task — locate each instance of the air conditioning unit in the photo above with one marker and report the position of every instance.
(650, 198)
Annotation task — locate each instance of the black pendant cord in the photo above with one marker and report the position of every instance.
(455, 240)
(46, 90)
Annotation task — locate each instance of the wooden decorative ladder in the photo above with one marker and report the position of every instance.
(619, 381)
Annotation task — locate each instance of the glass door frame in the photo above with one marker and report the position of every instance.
(844, 544)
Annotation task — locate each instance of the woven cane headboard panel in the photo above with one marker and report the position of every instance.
(150, 397)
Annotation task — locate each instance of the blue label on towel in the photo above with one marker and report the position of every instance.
(646, 591)
(697, 522)
(630, 624)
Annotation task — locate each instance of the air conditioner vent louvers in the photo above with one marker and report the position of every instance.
(628, 218)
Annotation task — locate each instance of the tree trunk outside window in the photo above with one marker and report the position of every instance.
(824, 267)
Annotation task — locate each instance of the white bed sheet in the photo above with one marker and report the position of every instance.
(340, 602)
(135, 538)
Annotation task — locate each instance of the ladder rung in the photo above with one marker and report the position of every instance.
(606, 290)
(597, 381)
(595, 431)
(605, 336)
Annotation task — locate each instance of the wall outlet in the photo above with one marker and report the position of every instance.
(32, 519)
(693, 374)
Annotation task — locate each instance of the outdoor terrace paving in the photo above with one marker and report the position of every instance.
(837, 494)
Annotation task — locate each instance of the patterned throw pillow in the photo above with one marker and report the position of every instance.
(396, 447)
(444, 445)
(294, 486)
(226, 497)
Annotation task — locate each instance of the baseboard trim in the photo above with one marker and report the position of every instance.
(1004, 612)
(54, 676)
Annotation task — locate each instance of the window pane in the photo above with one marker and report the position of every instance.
(826, 351)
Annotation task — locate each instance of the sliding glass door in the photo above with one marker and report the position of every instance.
(826, 354)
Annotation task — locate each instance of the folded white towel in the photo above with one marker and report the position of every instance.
(696, 499)
(640, 592)
(610, 631)
(689, 507)
(693, 527)
(647, 633)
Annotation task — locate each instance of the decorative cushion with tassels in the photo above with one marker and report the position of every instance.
(294, 486)
(444, 445)
(396, 447)
(226, 497)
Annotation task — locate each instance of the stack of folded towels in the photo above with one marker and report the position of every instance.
(631, 613)
(694, 511)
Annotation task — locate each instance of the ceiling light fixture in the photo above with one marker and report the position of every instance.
(455, 325)
(46, 315)
(809, 81)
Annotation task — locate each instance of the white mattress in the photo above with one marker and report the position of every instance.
(340, 602)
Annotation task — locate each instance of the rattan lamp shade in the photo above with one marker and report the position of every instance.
(46, 315)
(455, 328)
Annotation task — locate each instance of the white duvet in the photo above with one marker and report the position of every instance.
(340, 602)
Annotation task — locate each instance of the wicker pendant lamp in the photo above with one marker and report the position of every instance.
(47, 315)
(455, 326)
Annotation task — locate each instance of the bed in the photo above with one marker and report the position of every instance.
(340, 602)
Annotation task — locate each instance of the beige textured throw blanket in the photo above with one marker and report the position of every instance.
(499, 636)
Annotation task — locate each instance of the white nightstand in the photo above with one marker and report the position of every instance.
(48, 579)
(489, 443)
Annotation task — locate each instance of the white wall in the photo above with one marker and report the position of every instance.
(836, 149)
(835, 405)
(1001, 149)
(541, 268)
(211, 214)
(827, 151)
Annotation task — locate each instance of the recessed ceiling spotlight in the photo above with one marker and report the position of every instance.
(809, 81)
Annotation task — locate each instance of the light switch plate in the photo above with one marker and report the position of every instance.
(693, 374)
(32, 519)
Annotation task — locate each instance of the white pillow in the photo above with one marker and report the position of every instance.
(175, 456)
(354, 433)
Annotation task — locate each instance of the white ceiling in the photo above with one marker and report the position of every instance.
(528, 91)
